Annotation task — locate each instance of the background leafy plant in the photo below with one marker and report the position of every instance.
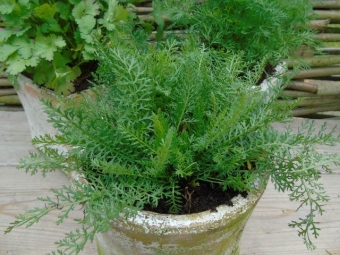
(260, 29)
(53, 39)
(164, 117)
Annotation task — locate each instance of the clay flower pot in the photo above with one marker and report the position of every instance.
(30, 96)
(210, 232)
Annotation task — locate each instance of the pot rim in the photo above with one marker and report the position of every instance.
(147, 222)
(240, 204)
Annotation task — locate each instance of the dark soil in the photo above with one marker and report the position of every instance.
(202, 198)
(83, 82)
(268, 71)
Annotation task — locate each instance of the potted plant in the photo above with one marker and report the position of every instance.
(53, 42)
(50, 44)
(262, 30)
(174, 130)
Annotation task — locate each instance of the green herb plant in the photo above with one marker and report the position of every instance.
(269, 30)
(165, 117)
(52, 40)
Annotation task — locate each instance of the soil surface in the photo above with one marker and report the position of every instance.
(83, 82)
(268, 71)
(199, 199)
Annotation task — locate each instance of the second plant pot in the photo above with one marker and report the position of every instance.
(30, 96)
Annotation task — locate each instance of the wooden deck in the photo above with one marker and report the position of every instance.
(266, 233)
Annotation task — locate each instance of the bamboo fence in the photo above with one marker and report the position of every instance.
(317, 88)
(8, 95)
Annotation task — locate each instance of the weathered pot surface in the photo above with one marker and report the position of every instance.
(30, 96)
(210, 232)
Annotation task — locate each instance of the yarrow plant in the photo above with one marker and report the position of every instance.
(269, 30)
(167, 118)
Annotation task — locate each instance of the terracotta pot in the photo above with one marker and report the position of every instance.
(211, 233)
(30, 96)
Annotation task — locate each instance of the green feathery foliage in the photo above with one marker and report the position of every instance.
(270, 29)
(163, 117)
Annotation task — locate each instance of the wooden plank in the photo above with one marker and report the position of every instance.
(5, 83)
(15, 139)
(15, 108)
(333, 16)
(6, 92)
(267, 232)
(327, 37)
(18, 193)
(319, 24)
(295, 94)
(325, 87)
(315, 109)
(316, 61)
(322, 100)
(302, 86)
(331, 30)
(312, 101)
(10, 99)
(326, 4)
(334, 51)
(315, 72)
